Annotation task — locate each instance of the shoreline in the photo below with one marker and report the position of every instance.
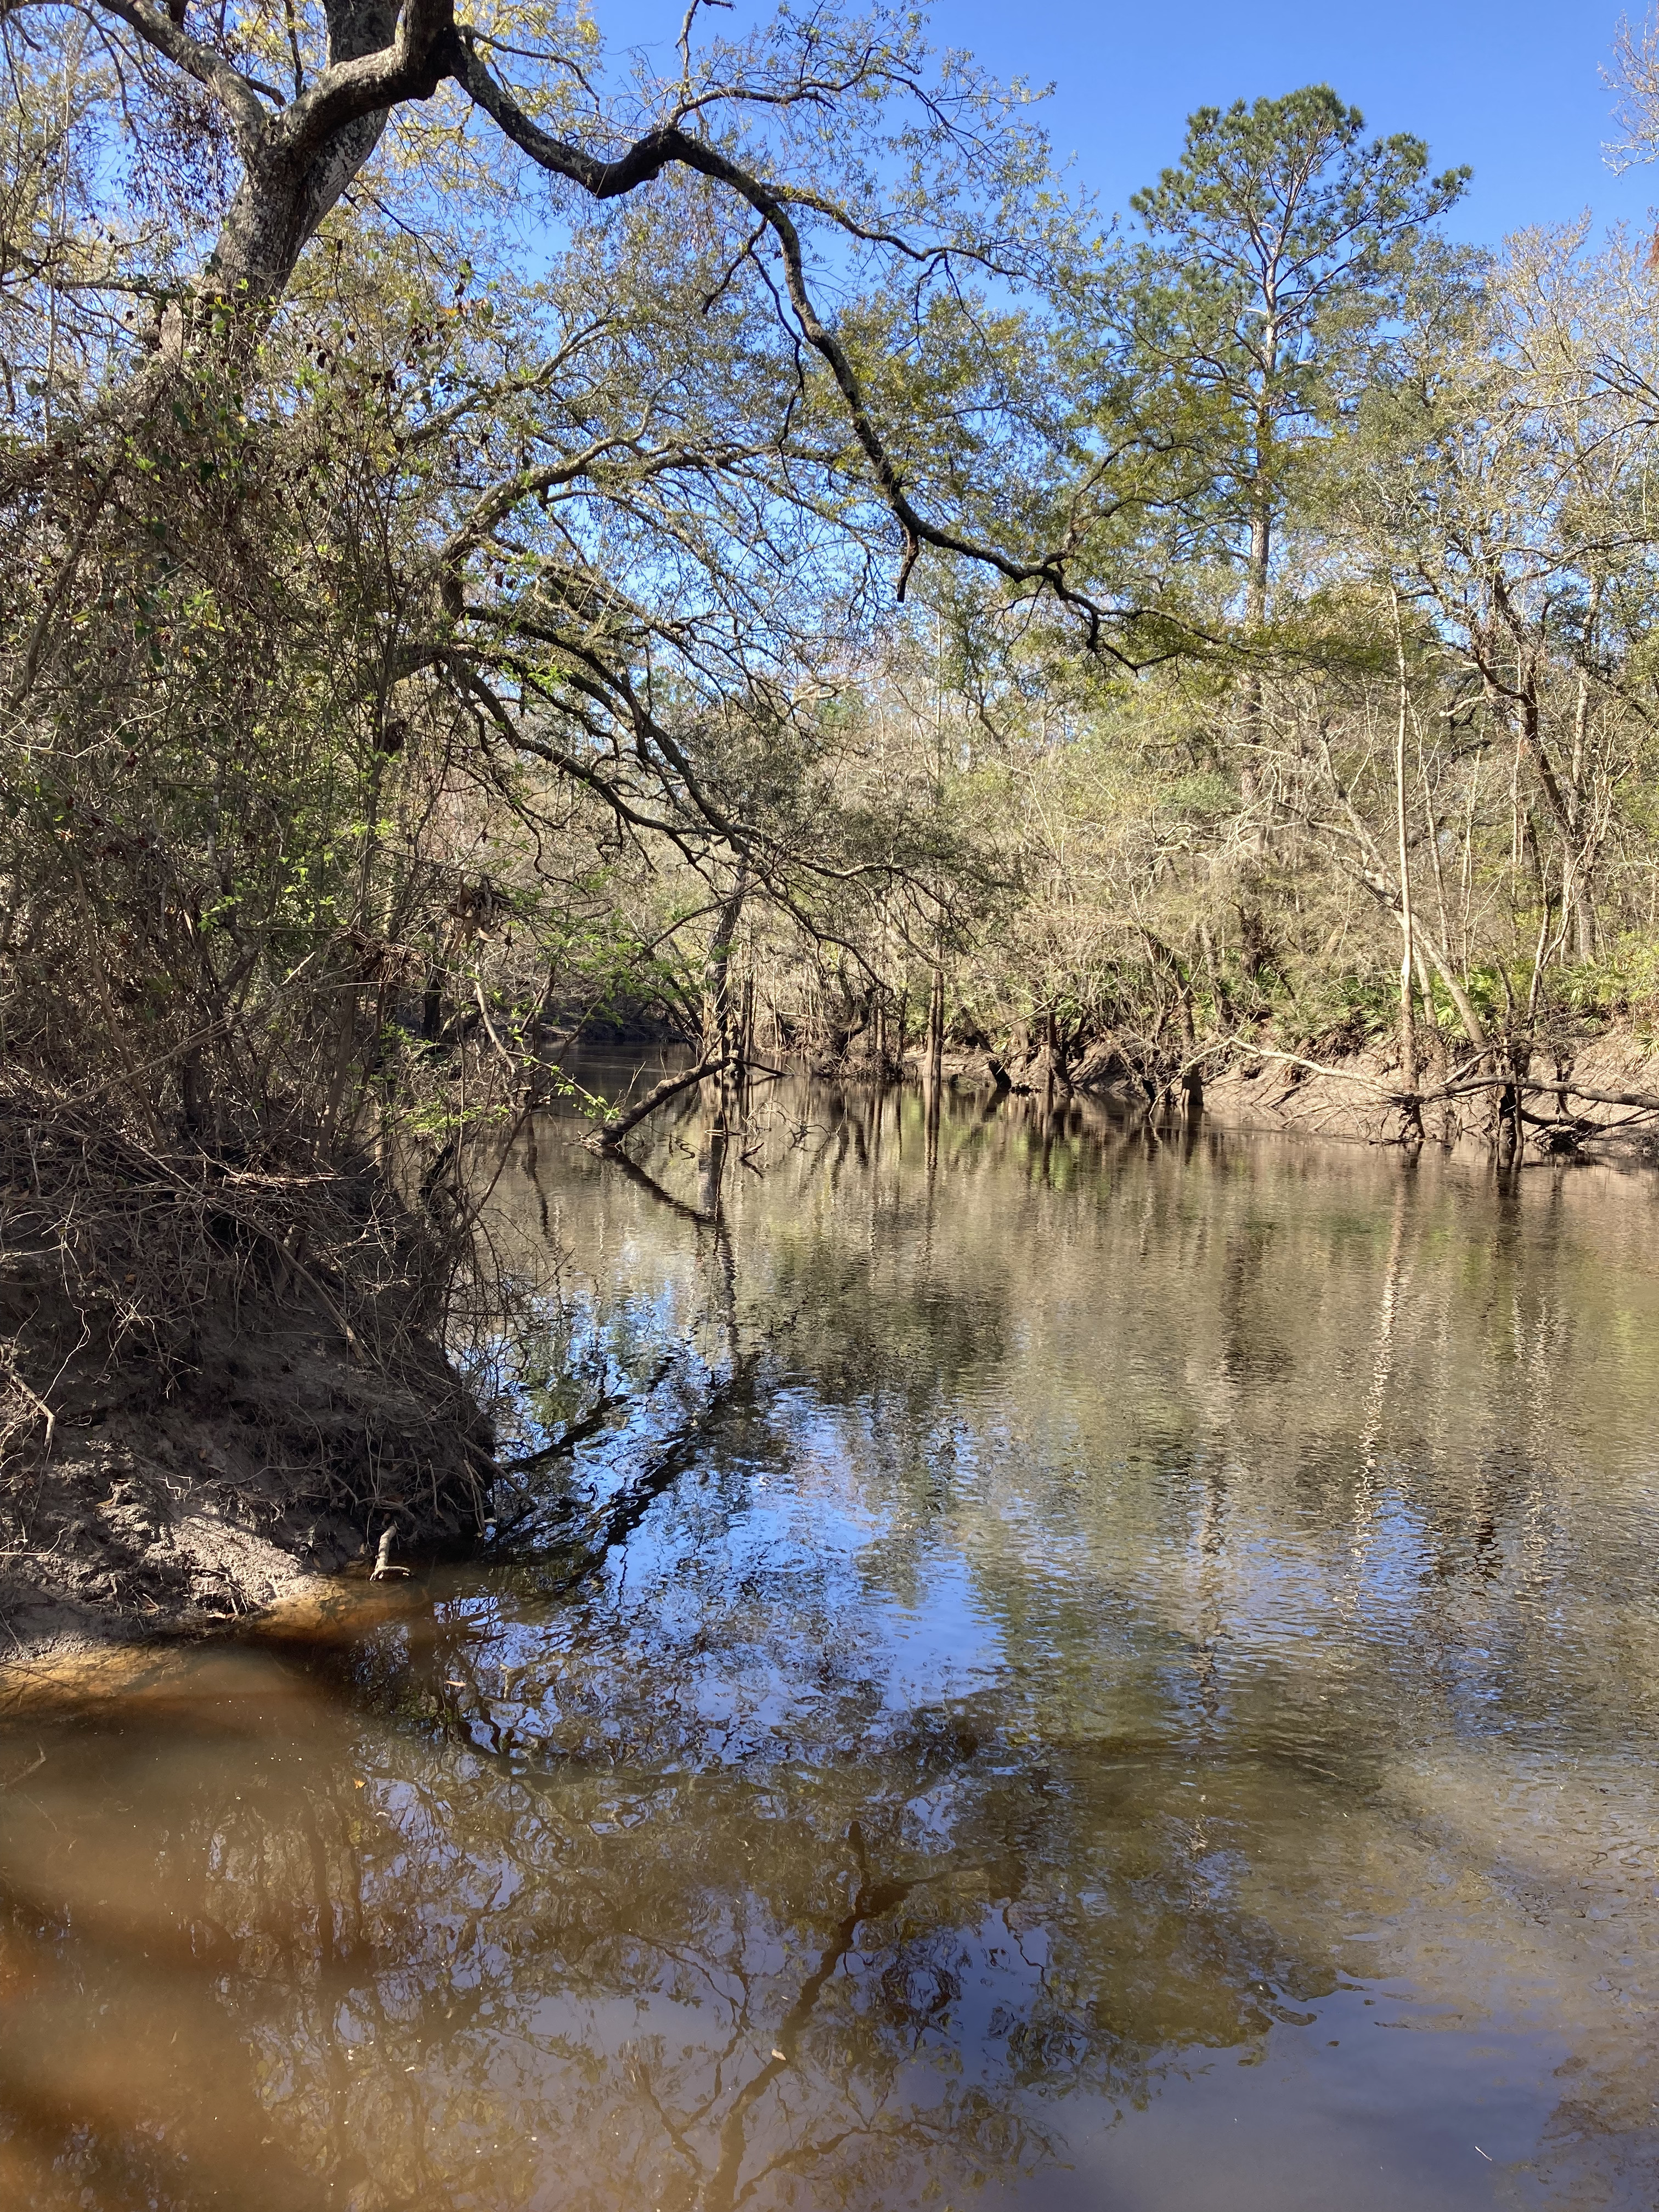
(152, 1519)
(161, 1512)
(1261, 1088)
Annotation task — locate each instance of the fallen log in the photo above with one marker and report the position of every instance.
(607, 1138)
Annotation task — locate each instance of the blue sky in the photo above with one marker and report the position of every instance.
(1512, 90)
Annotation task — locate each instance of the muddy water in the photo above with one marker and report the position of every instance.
(1089, 1674)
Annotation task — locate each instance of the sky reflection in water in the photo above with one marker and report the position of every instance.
(1103, 1674)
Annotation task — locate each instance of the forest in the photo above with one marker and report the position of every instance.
(509, 544)
(829, 1109)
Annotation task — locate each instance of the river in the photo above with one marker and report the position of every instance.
(1067, 1670)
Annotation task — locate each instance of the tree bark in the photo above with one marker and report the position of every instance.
(607, 1139)
(1408, 944)
(1258, 569)
(722, 1025)
(935, 1064)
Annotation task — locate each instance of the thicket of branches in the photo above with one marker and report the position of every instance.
(1384, 769)
(1438, 743)
(500, 536)
(439, 514)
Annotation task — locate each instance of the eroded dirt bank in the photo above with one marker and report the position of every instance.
(1250, 1081)
(218, 1385)
(1347, 1098)
(278, 1466)
(162, 1503)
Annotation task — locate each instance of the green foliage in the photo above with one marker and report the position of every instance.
(1276, 250)
(1622, 982)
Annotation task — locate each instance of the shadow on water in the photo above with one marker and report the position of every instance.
(1060, 1666)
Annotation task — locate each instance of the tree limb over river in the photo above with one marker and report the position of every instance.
(829, 605)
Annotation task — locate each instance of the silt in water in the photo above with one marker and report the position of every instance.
(1091, 1673)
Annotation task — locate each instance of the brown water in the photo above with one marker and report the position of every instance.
(1095, 1675)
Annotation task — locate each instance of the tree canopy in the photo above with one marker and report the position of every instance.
(500, 528)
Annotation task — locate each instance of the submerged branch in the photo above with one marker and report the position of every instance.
(607, 1139)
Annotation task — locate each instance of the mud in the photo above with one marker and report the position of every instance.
(159, 1503)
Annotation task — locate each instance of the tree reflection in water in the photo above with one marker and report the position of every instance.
(916, 1735)
(581, 1976)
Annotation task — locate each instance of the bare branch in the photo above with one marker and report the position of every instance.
(238, 94)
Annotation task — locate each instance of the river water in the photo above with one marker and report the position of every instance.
(1073, 1671)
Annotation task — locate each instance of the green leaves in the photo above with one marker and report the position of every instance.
(1274, 253)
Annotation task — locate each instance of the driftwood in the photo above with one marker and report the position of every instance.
(384, 1571)
(1645, 1101)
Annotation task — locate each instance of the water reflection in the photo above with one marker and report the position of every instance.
(1062, 1669)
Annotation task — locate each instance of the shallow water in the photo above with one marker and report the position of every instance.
(1093, 1674)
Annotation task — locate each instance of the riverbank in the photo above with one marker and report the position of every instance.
(1350, 1097)
(219, 1384)
(1251, 1080)
(154, 1510)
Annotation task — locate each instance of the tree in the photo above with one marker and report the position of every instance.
(1499, 472)
(1274, 249)
(381, 620)
(928, 174)
(609, 533)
